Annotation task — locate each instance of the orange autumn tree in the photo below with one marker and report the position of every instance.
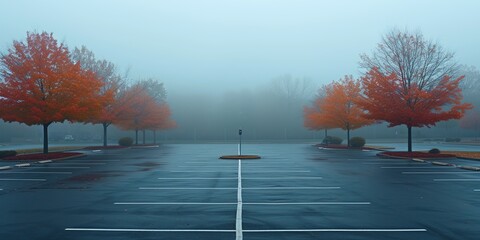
(340, 108)
(110, 91)
(41, 85)
(314, 117)
(409, 82)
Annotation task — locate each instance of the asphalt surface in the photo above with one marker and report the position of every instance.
(295, 191)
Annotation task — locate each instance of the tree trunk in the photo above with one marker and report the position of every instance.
(45, 138)
(348, 137)
(143, 136)
(105, 126)
(136, 136)
(154, 137)
(409, 138)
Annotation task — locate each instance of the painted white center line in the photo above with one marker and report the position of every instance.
(440, 172)
(457, 180)
(238, 220)
(21, 179)
(145, 230)
(340, 230)
(35, 172)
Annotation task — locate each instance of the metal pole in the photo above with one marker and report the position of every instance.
(240, 145)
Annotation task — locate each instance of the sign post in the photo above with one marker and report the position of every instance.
(240, 145)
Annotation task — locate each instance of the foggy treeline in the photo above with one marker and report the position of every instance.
(269, 112)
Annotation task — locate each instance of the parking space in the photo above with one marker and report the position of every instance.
(184, 191)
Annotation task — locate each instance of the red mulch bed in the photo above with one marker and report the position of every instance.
(341, 146)
(41, 156)
(415, 155)
(102, 147)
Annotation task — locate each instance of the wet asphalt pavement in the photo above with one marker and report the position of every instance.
(185, 192)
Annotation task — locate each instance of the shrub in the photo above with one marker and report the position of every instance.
(7, 153)
(125, 141)
(434, 151)
(357, 142)
(332, 140)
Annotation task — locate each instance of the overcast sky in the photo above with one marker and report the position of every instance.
(240, 43)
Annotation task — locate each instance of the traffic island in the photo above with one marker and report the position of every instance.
(242, 157)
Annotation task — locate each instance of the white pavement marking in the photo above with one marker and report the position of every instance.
(340, 230)
(279, 178)
(238, 221)
(71, 163)
(306, 171)
(184, 188)
(440, 172)
(58, 167)
(290, 188)
(308, 203)
(476, 190)
(174, 203)
(420, 167)
(195, 178)
(145, 230)
(457, 180)
(35, 172)
(21, 179)
(407, 163)
(199, 171)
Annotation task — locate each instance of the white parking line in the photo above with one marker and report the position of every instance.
(440, 172)
(410, 163)
(174, 203)
(420, 167)
(22, 179)
(145, 230)
(279, 178)
(58, 167)
(290, 188)
(195, 178)
(35, 172)
(308, 203)
(83, 163)
(340, 230)
(476, 190)
(456, 179)
(184, 188)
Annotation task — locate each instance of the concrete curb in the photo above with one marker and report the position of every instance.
(437, 163)
(24, 165)
(470, 168)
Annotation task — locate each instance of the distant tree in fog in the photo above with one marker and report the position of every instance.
(41, 85)
(411, 81)
(291, 92)
(142, 111)
(109, 93)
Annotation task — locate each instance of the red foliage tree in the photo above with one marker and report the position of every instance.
(409, 82)
(41, 85)
(386, 98)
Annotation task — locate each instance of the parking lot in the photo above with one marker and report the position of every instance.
(183, 191)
